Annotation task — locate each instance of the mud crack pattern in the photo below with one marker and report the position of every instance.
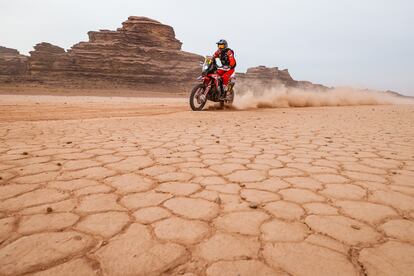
(315, 191)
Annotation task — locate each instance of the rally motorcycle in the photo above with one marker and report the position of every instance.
(210, 87)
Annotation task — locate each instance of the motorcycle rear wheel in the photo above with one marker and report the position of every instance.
(196, 102)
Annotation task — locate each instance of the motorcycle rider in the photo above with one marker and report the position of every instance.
(226, 56)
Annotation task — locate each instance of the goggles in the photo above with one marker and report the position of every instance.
(220, 46)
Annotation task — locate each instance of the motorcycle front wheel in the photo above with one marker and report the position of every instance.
(197, 98)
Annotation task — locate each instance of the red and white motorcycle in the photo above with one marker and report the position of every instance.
(209, 88)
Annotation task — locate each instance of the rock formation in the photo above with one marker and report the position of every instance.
(142, 52)
(12, 63)
(307, 85)
(265, 77)
(48, 61)
(272, 76)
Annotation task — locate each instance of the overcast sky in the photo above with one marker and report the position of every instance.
(361, 43)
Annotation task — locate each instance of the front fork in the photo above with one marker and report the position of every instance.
(202, 96)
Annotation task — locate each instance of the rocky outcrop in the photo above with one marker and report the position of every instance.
(141, 31)
(307, 85)
(262, 74)
(265, 77)
(396, 94)
(12, 63)
(48, 60)
(143, 52)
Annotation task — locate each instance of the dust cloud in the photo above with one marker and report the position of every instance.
(279, 97)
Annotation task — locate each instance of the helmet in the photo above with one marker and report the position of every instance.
(222, 44)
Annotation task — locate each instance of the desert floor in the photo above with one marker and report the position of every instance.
(143, 186)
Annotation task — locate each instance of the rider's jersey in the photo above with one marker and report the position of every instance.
(226, 57)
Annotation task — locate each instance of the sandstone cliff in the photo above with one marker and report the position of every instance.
(265, 77)
(143, 52)
(12, 63)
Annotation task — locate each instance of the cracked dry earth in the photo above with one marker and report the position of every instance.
(312, 191)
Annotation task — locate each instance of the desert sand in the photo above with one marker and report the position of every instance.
(143, 186)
